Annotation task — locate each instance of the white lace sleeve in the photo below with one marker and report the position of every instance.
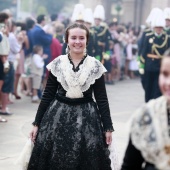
(115, 164)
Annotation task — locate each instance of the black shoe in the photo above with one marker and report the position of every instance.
(5, 113)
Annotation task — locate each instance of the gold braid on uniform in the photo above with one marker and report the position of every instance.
(149, 33)
(155, 46)
(147, 29)
(142, 59)
(103, 32)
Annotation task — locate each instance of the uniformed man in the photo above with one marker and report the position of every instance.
(78, 14)
(154, 12)
(155, 44)
(103, 36)
(167, 20)
(88, 21)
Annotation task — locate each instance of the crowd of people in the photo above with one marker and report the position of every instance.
(31, 44)
(64, 64)
(26, 48)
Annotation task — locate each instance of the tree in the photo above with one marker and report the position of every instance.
(54, 6)
(41, 10)
(6, 4)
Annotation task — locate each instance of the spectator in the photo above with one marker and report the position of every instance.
(4, 51)
(54, 17)
(21, 34)
(28, 55)
(37, 71)
(40, 37)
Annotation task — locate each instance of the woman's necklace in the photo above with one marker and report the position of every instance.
(76, 61)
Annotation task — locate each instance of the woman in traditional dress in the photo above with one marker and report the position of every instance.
(71, 131)
(149, 145)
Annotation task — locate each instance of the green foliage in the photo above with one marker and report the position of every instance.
(38, 6)
(54, 6)
(41, 10)
(25, 5)
(4, 4)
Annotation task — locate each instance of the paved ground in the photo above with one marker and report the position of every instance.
(124, 98)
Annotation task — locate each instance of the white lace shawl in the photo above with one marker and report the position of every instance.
(149, 133)
(75, 83)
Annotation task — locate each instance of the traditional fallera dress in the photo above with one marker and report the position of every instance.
(149, 145)
(71, 124)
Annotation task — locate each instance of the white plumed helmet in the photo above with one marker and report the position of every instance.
(99, 12)
(152, 15)
(158, 20)
(88, 15)
(167, 13)
(78, 13)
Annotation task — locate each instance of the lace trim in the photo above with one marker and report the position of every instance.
(75, 83)
(115, 163)
(149, 133)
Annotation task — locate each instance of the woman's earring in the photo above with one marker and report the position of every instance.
(67, 49)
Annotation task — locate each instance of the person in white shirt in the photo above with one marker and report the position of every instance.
(37, 69)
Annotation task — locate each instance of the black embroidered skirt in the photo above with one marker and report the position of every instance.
(70, 137)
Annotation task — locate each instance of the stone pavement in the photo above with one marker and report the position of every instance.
(124, 98)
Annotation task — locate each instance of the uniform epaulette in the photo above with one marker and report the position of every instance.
(147, 29)
(149, 34)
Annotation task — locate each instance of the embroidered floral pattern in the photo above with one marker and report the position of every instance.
(70, 138)
(149, 133)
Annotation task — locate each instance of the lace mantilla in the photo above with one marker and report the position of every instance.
(149, 133)
(75, 83)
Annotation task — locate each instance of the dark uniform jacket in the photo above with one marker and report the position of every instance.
(101, 41)
(142, 39)
(133, 160)
(156, 46)
(167, 31)
(91, 43)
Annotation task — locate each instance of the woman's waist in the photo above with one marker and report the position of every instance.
(73, 101)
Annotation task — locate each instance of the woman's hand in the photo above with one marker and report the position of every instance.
(33, 133)
(108, 137)
(5, 31)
